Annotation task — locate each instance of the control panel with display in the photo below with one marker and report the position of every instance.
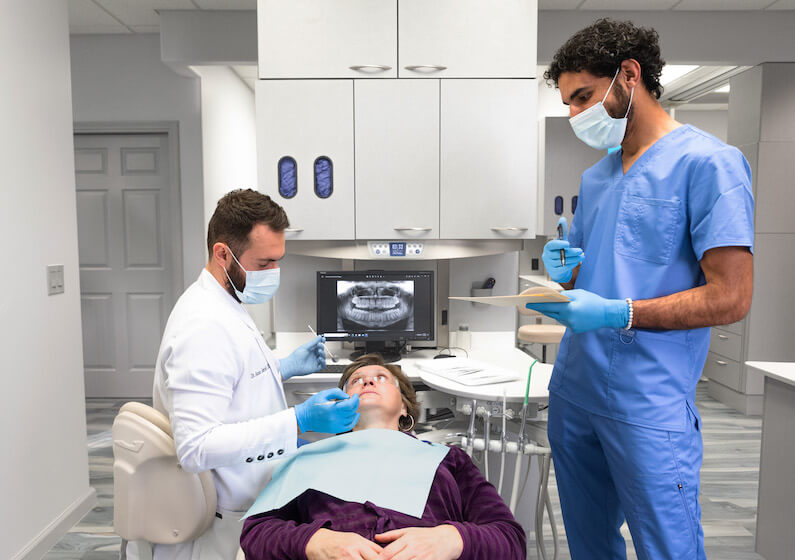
(394, 249)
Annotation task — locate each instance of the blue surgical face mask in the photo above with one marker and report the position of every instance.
(261, 285)
(597, 128)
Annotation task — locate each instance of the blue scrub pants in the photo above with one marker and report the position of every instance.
(607, 470)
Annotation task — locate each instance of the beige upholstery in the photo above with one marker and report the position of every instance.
(541, 334)
(154, 499)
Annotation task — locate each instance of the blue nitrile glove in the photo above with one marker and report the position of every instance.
(586, 311)
(324, 413)
(551, 256)
(307, 358)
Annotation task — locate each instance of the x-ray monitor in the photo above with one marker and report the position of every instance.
(375, 306)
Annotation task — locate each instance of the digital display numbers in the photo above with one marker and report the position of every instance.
(397, 249)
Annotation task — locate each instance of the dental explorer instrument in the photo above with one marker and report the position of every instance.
(330, 354)
(562, 251)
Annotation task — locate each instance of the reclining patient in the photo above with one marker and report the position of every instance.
(387, 494)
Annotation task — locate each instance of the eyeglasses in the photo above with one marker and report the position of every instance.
(378, 378)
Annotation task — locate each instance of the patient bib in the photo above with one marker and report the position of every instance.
(386, 467)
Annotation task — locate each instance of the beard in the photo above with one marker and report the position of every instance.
(238, 278)
(620, 105)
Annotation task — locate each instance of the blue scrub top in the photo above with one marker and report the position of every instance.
(644, 234)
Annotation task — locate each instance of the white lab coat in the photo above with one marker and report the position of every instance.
(220, 385)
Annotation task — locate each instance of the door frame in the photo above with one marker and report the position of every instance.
(171, 130)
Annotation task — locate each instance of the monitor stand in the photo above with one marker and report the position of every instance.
(377, 347)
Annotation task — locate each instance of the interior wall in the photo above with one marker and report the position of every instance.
(714, 122)
(121, 78)
(44, 471)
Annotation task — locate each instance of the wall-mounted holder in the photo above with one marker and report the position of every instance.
(481, 292)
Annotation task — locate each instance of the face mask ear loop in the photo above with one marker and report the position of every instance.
(631, 93)
(611, 85)
(234, 257)
(230, 278)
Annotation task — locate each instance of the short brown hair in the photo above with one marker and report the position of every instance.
(236, 215)
(406, 390)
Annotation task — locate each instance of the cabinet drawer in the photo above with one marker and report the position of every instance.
(724, 371)
(736, 328)
(726, 344)
(296, 393)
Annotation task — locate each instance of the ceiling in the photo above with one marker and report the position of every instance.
(141, 16)
(137, 16)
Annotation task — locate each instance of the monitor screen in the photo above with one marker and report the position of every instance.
(375, 305)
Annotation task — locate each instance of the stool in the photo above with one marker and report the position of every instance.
(539, 333)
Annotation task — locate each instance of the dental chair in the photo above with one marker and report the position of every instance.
(154, 499)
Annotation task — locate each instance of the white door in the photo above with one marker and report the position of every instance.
(397, 159)
(327, 39)
(305, 154)
(125, 233)
(467, 38)
(488, 159)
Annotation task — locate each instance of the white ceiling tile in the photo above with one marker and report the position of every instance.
(558, 4)
(84, 13)
(146, 28)
(710, 5)
(783, 5)
(143, 12)
(628, 4)
(97, 29)
(227, 4)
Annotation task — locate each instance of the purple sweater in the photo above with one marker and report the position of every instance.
(460, 496)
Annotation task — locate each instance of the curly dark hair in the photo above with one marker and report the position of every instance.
(236, 215)
(601, 48)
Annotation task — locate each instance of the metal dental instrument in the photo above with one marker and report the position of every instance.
(330, 355)
(561, 233)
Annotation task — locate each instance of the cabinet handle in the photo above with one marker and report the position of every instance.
(723, 337)
(509, 228)
(412, 229)
(432, 67)
(294, 230)
(721, 363)
(382, 67)
(306, 394)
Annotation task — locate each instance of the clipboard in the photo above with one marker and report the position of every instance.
(535, 295)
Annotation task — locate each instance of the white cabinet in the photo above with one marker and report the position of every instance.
(303, 120)
(467, 38)
(488, 159)
(327, 39)
(566, 157)
(397, 159)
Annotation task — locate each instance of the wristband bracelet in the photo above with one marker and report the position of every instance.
(631, 315)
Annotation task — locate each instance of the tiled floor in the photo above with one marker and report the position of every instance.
(729, 477)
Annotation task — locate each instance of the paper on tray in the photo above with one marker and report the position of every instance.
(534, 295)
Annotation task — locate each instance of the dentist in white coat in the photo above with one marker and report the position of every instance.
(220, 384)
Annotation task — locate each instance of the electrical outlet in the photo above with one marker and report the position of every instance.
(55, 279)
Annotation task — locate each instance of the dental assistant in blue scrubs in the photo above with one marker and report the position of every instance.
(660, 249)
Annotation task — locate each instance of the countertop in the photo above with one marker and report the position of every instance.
(780, 371)
(497, 348)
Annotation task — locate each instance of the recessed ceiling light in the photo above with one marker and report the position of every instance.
(671, 72)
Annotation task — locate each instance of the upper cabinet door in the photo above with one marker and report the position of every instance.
(327, 39)
(488, 159)
(305, 154)
(397, 159)
(467, 38)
